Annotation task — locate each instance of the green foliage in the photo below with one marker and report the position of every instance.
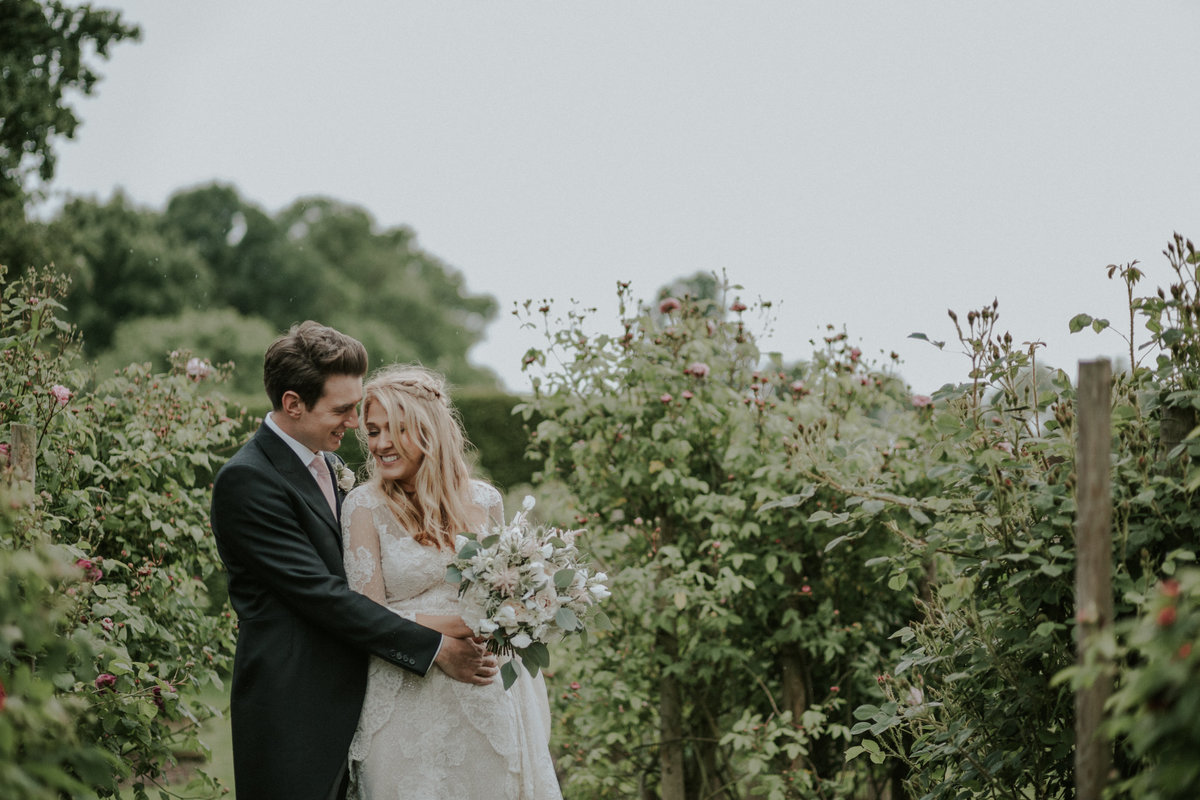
(122, 266)
(44, 748)
(47, 50)
(500, 439)
(1155, 711)
(988, 478)
(142, 281)
(123, 475)
(224, 337)
(740, 643)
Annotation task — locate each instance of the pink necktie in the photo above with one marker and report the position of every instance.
(324, 480)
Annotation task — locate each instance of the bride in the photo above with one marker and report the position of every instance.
(433, 737)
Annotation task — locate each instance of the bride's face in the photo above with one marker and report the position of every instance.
(397, 457)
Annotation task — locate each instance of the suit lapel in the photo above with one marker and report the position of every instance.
(294, 472)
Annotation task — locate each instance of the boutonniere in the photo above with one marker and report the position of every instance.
(345, 478)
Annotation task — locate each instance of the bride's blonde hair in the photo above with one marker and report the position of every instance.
(415, 398)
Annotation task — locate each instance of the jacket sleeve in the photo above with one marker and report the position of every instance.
(255, 521)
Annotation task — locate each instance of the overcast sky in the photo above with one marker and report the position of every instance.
(868, 165)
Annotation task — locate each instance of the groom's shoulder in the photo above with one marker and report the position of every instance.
(250, 457)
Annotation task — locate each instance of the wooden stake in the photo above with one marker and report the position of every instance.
(1093, 571)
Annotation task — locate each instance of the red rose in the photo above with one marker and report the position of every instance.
(668, 305)
(1170, 587)
(105, 681)
(738, 306)
(1166, 617)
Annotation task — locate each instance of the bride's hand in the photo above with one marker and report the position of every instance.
(450, 625)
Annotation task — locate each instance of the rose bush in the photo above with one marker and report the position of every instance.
(740, 644)
(989, 478)
(124, 465)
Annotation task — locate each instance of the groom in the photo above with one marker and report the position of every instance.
(303, 636)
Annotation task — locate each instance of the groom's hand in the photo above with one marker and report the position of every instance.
(466, 660)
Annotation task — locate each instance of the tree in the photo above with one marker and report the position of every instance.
(211, 251)
(123, 266)
(259, 268)
(402, 302)
(47, 50)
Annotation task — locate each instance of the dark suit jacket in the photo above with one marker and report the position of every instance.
(303, 636)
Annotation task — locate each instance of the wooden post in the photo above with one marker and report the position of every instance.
(23, 457)
(1093, 570)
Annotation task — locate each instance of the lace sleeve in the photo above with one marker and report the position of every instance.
(360, 545)
(488, 498)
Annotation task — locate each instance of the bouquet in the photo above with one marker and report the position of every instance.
(522, 586)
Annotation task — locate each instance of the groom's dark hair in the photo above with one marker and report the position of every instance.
(302, 359)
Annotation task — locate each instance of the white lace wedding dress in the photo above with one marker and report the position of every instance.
(433, 737)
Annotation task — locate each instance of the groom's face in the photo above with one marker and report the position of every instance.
(323, 426)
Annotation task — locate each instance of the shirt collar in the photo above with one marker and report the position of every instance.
(302, 452)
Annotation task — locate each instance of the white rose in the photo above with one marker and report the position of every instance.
(528, 502)
(506, 615)
(345, 478)
(537, 572)
(600, 591)
(486, 626)
(521, 641)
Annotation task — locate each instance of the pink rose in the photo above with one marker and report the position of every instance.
(922, 400)
(855, 354)
(697, 368)
(738, 306)
(666, 398)
(668, 305)
(687, 395)
(106, 624)
(61, 393)
(105, 681)
(198, 369)
(799, 388)
(90, 570)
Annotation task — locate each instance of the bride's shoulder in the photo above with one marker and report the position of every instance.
(365, 495)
